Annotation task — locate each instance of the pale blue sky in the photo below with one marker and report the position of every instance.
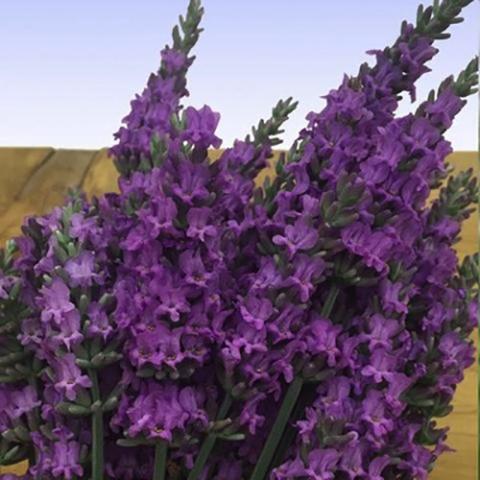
(70, 69)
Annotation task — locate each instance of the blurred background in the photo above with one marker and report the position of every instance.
(69, 69)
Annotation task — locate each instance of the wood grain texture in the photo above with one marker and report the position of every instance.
(32, 181)
(17, 166)
(44, 188)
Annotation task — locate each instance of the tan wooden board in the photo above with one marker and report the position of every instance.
(17, 165)
(44, 188)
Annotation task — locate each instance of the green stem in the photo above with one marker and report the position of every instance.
(330, 301)
(277, 430)
(160, 465)
(209, 441)
(278, 435)
(306, 397)
(97, 429)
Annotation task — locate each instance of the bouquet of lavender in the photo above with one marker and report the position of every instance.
(196, 326)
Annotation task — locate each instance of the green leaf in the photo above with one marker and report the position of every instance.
(10, 455)
(134, 442)
(74, 409)
(110, 404)
(234, 437)
(82, 363)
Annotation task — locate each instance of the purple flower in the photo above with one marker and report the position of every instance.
(159, 411)
(398, 384)
(323, 339)
(55, 300)
(414, 191)
(390, 296)
(456, 353)
(436, 317)
(382, 365)
(81, 270)
(297, 237)
(201, 126)
(99, 324)
(158, 217)
(266, 277)
(292, 469)
(419, 464)
(374, 247)
(144, 347)
(286, 323)
(374, 414)
(446, 229)
(306, 426)
(249, 416)
(32, 333)
(322, 464)
(377, 466)
(68, 377)
(5, 285)
(473, 314)
(24, 401)
(351, 462)
(137, 238)
(172, 302)
(256, 311)
(199, 226)
(82, 227)
(307, 272)
(173, 60)
(69, 334)
(336, 403)
(346, 104)
(249, 339)
(168, 345)
(66, 460)
(242, 153)
(442, 111)
(191, 184)
(192, 266)
(382, 330)
(413, 56)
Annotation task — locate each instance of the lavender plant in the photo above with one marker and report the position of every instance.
(195, 326)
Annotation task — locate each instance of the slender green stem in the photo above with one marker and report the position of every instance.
(97, 429)
(160, 466)
(209, 441)
(278, 428)
(330, 301)
(306, 396)
(280, 437)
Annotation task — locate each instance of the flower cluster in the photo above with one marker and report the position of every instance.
(197, 326)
